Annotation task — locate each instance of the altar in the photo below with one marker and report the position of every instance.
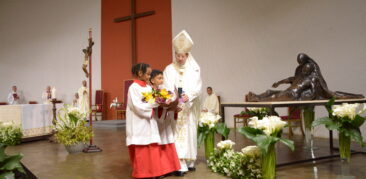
(35, 119)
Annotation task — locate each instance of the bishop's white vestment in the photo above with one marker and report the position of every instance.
(188, 78)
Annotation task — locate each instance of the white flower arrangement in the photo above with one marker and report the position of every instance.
(233, 164)
(208, 119)
(226, 144)
(347, 110)
(269, 124)
(256, 109)
(252, 150)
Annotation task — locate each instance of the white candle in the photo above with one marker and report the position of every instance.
(53, 93)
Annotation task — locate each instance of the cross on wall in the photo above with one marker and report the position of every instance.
(133, 18)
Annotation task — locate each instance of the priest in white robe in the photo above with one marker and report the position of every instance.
(14, 96)
(211, 103)
(83, 102)
(47, 95)
(184, 74)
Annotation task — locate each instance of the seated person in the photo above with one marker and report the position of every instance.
(47, 95)
(14, 96)
(211, 103)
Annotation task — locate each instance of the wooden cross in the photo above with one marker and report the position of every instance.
(133, 18)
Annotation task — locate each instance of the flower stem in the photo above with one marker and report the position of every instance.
(269, 163)
(344, 147)
(209, 144)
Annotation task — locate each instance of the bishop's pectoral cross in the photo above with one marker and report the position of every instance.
(133, 18)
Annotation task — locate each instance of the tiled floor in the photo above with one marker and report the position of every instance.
(51, 160)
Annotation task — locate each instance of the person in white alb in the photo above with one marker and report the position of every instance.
(211, 103)
(184, 76)
(14, 96)
(47, 95)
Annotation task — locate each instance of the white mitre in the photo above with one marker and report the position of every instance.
(182, 42)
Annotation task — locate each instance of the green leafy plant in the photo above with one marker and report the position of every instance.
(209, 123)
(266, 133)
(9, 164)
(10, 134)
(238, 165)
(255, 111)
(70, 127)
(347, 121)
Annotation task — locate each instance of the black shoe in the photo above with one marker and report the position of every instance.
(192, 169)
(178, 173)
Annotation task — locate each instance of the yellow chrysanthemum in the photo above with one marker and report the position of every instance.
(165, 94)
(147, 96)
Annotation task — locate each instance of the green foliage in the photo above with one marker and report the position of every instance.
(350, 127)
(259, 112)
(71, 136)
(204, 130)
(70, 127)
(235, 165)
(9, 163)
(262, 140)
(10, 134)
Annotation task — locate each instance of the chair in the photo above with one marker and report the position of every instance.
(3, 103)
(98, 108)
(294, 115)
(241, 118)
(32, 102)
(121, 110)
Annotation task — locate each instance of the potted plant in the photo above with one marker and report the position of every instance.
(71, 130)
(208, 126)
(266, 133)
(10, 165)
(10, 134)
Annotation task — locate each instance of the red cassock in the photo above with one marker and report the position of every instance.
(153, 160)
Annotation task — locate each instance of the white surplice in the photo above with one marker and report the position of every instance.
(83, 101)
(211, 104)
(188, 78)
(141, 128)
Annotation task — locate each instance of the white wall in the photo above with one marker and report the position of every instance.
(245, 45)
(41, 42)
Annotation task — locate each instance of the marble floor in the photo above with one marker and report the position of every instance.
(51, 160)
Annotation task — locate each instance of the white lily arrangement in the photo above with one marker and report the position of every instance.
(209, 123)
(266, 133)
(347, 120)
(70, 127)
(237, 165)
(256, 111)
(10, 133)
(251, 150)
(208, 119)
(225, 144)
